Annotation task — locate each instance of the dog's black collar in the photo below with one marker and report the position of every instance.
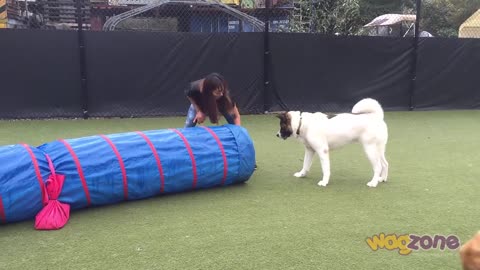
(299, 125)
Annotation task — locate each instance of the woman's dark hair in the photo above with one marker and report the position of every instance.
(212, 105)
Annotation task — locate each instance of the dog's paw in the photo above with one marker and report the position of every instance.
(382, 180)
(299, 174)
(372, 183)
(323, 183)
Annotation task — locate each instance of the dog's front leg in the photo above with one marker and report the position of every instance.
(325, 161)
(307, 162)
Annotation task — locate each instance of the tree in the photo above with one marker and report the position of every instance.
(343, 16)
(369, 9)
(326, 16)
(444, 17)
(346, 17)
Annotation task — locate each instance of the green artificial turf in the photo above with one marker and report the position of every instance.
(273, 221)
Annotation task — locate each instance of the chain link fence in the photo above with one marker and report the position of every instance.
(395, 18)
(384, 18)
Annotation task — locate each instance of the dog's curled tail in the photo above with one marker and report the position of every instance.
(368, 105)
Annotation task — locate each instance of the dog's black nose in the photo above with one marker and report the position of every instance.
(278, 135)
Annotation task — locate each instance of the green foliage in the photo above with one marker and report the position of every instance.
(346, 17)
(444, 17)
(369, 9)
(327, 17)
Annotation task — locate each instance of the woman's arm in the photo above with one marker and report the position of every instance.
(194, 94)
(200, 116)
(236, 116)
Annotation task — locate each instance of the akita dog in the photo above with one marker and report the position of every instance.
(321, 133)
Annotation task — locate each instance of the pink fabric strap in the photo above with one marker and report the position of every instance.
(53, 175)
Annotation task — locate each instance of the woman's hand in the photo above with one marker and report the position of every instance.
(199, 117)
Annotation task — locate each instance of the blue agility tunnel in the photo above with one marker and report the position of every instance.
(23, 169)
(106, 169)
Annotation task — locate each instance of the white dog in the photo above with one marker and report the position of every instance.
(321, 133)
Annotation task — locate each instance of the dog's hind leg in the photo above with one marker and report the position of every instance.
(375, 159)
(384, 162)
(307, 162)
(325, 160)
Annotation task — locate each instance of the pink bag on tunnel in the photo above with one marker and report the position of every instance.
(54, 214)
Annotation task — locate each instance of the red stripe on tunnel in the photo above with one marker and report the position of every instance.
(157, 159)
(122, 166)
(79, 169)
(189, 149)
(220, 145)
(37, 169)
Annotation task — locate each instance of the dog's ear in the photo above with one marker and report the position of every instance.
(280, 115)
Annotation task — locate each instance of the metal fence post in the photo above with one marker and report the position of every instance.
(81, 50)
(413, 82)
(266, 58)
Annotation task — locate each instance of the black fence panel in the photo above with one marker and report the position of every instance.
(328, 73)
(137, 74)
(132, 74)
(40, 74)
(448, 74)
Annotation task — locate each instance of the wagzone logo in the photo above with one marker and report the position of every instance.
(406, 243)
